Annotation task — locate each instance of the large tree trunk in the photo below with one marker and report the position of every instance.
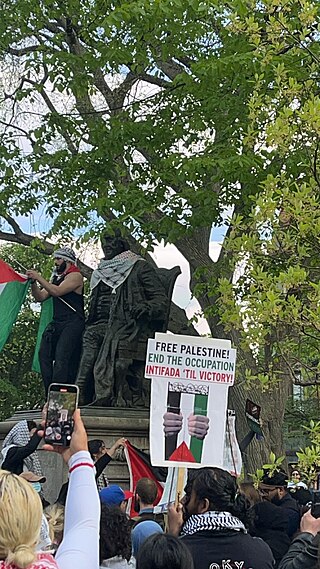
(272, 402)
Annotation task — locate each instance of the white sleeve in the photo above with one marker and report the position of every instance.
(80, 546)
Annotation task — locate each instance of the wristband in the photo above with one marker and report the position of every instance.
(80, 464)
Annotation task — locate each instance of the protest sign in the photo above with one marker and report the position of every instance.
(232, 458)
(190, 380)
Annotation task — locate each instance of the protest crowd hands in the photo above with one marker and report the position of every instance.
(198, 426)
(172, 423)
(79, 440)
(309, 524)
(175, 519)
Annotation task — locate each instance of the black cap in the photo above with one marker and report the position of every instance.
(276, 478)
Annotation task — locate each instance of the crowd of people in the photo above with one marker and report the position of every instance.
(219, 523)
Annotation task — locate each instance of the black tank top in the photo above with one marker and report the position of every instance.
(63, 312)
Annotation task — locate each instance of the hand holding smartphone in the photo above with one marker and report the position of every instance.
(62, 403)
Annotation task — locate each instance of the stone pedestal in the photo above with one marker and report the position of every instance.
(101, 423)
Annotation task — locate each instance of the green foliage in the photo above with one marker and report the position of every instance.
(20, 388)
(309, 457)
(273, 466)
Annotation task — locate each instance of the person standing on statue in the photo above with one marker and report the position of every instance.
(60, 346)
(128, 304)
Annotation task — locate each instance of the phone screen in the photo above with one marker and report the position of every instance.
(62, 403)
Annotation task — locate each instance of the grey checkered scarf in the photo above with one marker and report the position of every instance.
(19, 436)
(113, 272)
(102, 482)
(215, 521)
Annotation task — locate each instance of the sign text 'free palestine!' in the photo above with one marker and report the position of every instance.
(172, 359)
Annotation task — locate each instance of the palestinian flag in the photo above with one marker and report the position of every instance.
(45, 317)
(139, 466)
(13, 291)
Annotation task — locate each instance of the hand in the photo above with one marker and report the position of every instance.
(32, 274)
(120, 443)
(140, 311)
(310, 524)
(175, 519)
(79, 440)
(198, 426)
(172, 423)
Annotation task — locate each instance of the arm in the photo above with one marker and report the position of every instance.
(104, 460)
(80, 545)
(101, 464)
(18, 454)
(156, 304)
(38, 294)
(302, 554)
(71, 282)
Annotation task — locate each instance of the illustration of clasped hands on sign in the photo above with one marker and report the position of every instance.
(185, 432)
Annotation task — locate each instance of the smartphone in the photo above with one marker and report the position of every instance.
(62, 403)
(315, 508)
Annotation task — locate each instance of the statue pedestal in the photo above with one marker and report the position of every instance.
(108, 424)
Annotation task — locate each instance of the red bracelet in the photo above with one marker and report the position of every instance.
(80, 464)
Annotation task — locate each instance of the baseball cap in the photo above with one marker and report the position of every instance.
(113, 495)
(32, 477)
(276, 478)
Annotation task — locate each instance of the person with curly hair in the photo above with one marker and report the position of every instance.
(115, 539)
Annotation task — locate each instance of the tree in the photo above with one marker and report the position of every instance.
(21, 388)
(160, 117)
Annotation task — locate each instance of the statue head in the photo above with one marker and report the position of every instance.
(113, 244)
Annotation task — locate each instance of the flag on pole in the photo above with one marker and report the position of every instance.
(139, 466)
(13, 291)
(45, 317)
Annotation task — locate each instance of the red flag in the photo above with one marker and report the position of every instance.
(139, 466)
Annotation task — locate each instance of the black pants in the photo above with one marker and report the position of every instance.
(60, 350)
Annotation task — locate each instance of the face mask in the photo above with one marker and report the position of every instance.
(36, 486)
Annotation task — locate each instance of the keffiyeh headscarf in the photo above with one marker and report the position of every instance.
(113, 272)
(215, 521)
(19, 436)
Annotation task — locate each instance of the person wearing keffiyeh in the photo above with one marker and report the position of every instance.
(18, 452)
(212, 523)
(128, 303)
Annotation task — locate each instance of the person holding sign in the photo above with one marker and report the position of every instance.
(212, 523)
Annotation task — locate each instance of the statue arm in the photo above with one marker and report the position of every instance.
(154, 291)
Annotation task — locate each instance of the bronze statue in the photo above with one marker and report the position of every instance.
(128, 304)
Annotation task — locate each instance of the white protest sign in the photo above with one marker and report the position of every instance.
(232, 462)
(190, 380)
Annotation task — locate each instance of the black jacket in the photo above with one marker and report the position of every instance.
(292, 512)
(16, 455)
(303, 553)
(228, 550)
(270, 524)
(100, 465)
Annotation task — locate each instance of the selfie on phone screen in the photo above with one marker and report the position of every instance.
(62, 402)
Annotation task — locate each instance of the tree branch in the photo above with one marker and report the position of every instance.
(24, 50)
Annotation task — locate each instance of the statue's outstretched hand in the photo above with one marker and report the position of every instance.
(141, 311)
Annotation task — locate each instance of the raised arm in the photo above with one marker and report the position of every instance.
(80, 546)
(39, 294)
(72, 282)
